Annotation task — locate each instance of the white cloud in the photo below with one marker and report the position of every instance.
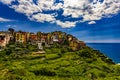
(66, 24)
(89, 10)
(7, 1)
(42, 17)
(4, 20)
(26, 7)
(75, 7)
(91, 22)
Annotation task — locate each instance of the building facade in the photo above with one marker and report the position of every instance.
(4, 38)
(21, 37)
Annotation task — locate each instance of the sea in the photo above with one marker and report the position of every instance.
(111, 50)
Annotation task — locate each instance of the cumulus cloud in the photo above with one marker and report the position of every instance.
(4, 20)
(91, 22)
(42, 17)
(66, 24)
(7, 1)
(48, 10)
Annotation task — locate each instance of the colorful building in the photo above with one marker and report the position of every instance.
(21, 37)
(33, 37)
(4, 39)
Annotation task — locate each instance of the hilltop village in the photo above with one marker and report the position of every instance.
(39, 38)
(51, 56)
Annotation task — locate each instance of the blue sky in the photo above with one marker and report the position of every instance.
(88, 20)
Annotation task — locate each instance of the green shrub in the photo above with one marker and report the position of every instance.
(52, 56)
(85, 53)
(44, 71)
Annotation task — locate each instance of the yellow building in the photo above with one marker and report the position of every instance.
(21, 37)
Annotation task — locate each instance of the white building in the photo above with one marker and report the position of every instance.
(55, 38)
(40, 46)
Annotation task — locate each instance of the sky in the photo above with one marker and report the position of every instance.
(88, 20)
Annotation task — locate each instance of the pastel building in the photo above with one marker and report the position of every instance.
(33, 37)
(21, 37)
(4, 39)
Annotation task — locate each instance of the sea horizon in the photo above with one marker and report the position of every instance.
(111, 50)
(103, 42)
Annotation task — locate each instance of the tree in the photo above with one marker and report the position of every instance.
(11, 30)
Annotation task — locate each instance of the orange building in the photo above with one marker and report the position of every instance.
(33, 37)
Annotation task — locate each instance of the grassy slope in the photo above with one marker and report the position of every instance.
(59, 64)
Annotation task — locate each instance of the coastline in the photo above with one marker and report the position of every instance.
(111, 50)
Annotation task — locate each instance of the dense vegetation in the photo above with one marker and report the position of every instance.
(19, 62)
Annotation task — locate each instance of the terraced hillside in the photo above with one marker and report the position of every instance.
(55, 63)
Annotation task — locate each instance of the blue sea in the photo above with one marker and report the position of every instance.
(112, 50)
